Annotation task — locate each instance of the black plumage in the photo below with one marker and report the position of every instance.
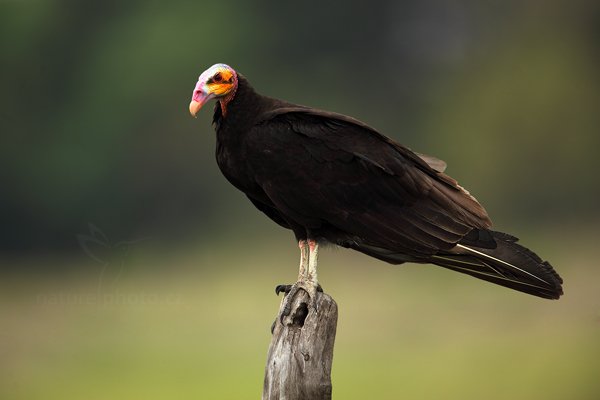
(333, 178)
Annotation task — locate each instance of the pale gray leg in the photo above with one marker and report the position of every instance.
(307, 276)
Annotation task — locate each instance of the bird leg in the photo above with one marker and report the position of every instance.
(307, 277)
(312, 261)
(304, 256)
(304, 259)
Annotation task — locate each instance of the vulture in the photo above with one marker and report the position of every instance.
(333, 179)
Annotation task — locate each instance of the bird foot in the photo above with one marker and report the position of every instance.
(287, 288)
(292, 290)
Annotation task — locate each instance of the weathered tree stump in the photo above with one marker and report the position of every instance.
(301, 351)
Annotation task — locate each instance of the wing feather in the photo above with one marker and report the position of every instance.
(320, 168)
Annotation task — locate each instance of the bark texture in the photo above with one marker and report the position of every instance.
(301, 351)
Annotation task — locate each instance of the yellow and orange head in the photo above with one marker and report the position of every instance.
(219, 81)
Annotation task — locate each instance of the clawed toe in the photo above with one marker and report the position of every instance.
(287, 288)
(282, 289)
(291, 290)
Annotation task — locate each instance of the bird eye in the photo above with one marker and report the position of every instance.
(217, 77)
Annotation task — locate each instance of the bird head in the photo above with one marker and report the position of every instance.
(217, 82)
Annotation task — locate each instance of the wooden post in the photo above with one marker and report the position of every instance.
(301, 351)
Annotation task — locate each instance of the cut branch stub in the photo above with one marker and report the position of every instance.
(301, 351)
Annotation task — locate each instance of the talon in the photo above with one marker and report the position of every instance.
(292, 290)
(287, 288)
(282, 288)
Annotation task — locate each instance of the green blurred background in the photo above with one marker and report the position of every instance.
(131, 269)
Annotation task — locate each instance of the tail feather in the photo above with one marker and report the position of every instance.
(508, 264)
(492, 256)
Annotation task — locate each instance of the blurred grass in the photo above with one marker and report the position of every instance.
(196, 325)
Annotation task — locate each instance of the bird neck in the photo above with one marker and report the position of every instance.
(226, 100)
(239, 108)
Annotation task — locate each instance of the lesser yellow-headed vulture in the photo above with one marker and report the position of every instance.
(331, 178)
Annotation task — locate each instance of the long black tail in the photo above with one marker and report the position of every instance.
(492, 256)
(507, 264)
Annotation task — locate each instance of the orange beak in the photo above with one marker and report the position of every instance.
(195, 106)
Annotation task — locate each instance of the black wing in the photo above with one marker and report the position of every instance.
(332, 173)
(270, 212)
